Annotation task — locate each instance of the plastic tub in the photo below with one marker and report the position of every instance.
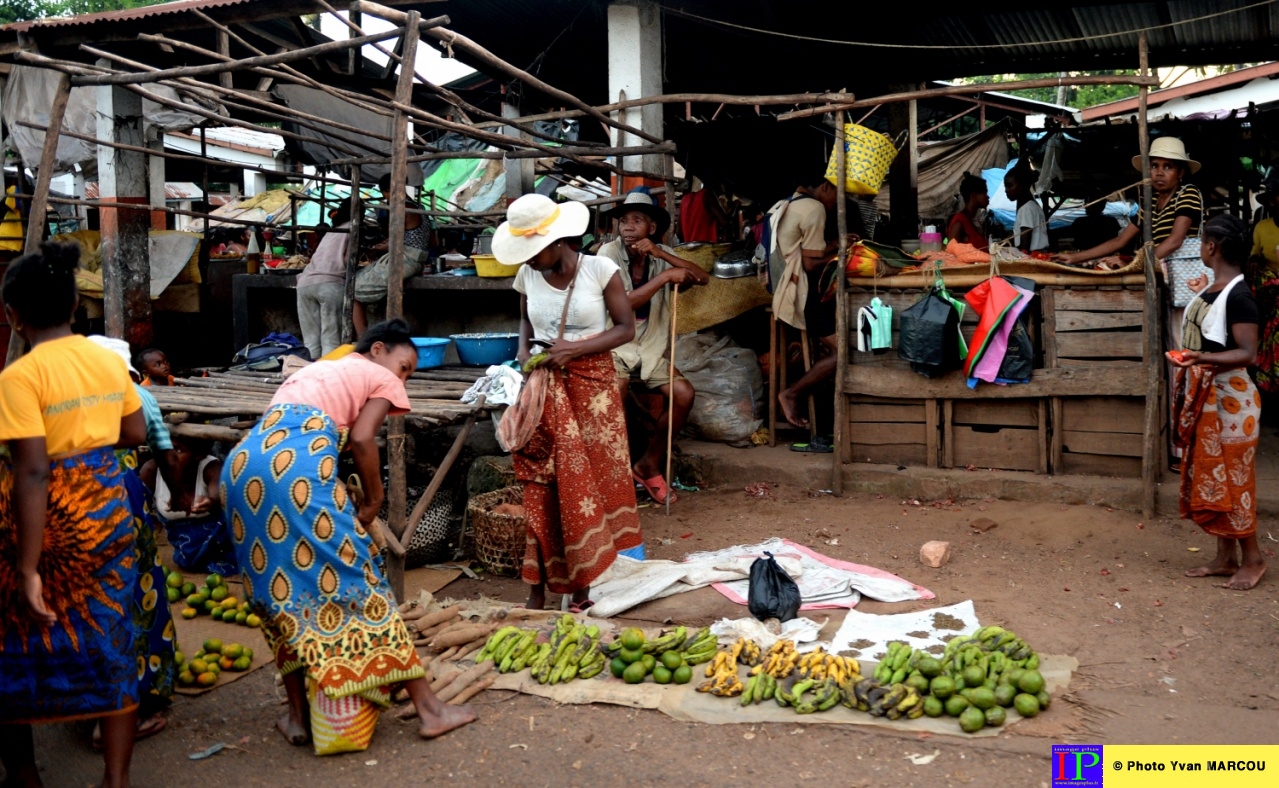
(430, 351)
(484, 350)
(486, 265)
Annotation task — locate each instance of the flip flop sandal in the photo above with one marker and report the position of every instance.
(581, 607)
(818, 445)
(656, 488)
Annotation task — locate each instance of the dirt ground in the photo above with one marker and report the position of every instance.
(1163, 659)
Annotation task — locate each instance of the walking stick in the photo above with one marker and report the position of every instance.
(670, 410)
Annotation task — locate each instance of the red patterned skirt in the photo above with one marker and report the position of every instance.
(579, 500)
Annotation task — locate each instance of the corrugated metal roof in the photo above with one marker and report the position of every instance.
(125, 14)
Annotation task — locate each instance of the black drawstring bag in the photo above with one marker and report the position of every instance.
(772, 593)
(928, 336)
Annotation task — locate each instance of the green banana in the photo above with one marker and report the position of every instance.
(495, 642)
(829, 696)
(700, 657)
(748, 695)
(899, 676)
(592, 670)
(770, 687)
(1032, 662)
(521, 656)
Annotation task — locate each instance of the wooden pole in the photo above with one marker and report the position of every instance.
(242, 64)
(352, 257)
(670, 415)
(446, 464)
(397, 496)
(40, 202)
(689, 98)
(841, 311)
(1151, 450)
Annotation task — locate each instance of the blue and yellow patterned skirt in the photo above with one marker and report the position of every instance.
(84, 665)
(310, 569)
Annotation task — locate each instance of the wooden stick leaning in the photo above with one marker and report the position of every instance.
(438, 479)
(670, 410)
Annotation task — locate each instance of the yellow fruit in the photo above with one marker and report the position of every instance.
(198, 666)
(226, 663)
(189, 613)
(178, 658)
(252, 620)
(230, 603)
(209, 605)
(241, 617)
(242, 664)
(632, 639)
(219, 593)
(232, 650)
(243, 606)
(212, 645)
(215, 668)
(174, 580)
(206, 679)
(213, 581)
(186, 678)
(248, 653)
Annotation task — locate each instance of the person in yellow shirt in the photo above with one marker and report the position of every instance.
(67, 569)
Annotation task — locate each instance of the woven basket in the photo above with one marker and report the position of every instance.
(499, 538)
(868, 155)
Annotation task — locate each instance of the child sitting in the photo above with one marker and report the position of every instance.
(155, 368)
(192, 514)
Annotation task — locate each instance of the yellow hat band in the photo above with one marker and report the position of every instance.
(541, 229)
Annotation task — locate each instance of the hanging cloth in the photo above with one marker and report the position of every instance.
(992, 360)
(992, 300)
(875, 327)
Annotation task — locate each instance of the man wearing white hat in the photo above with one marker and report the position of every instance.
(648, 267)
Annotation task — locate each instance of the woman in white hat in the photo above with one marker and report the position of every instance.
(1178, 205)
(568, 431)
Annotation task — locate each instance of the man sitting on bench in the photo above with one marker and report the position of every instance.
(647, 268)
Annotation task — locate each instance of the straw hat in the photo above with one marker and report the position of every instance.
(639, 201)
(117, 346)
(534, 222)
(1169, 148)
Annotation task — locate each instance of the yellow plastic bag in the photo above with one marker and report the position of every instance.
(868, 157)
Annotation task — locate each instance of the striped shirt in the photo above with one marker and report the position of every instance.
(1186, 201)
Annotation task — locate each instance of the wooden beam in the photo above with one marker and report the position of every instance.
(688, 98)
(352, 257)
(397, 495)
(897, 381)
(36, 221)
(1153, 345)
(843, 447)
(226, 79)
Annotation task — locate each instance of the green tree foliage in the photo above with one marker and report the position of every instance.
(24, 10)
(1078, 97)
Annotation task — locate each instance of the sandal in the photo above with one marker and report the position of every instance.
(581, 607)
(818, 445)
(656, 488)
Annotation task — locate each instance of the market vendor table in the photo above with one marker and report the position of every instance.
(1081, 412)
(438, 304)
(434, 398)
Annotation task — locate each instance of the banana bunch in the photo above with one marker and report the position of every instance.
(747, 652)
(701, 647)
(995, 640)
(894, 702)
(672, 641)
(573, 652)
(722, 679)
(779, 661)
(505, 645)
(895, 665)
(820, 665)
(825, 695)
(759, 687)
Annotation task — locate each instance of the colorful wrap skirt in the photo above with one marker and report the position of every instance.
(155, 641)
(84, 665)
(1218, 425)
(310, 569)
(579, 499)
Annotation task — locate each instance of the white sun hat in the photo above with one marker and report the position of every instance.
(117, 346)
(534, 222)
(1169, 148)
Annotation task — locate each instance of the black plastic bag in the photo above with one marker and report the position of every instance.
(1019, 360)
(928, 336)
(772, 593)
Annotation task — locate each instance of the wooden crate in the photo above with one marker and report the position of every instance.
(893, 431)
(1091, 327)
(1009, 434)
(1101, 436)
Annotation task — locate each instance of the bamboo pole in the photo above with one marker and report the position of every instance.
(540, 153)
(455, 40)
(841, 311)
(40, 202)
(968, 90)
(242, 64)
(352, 257)
(1151, 450)
(682, 98)
(397, 495)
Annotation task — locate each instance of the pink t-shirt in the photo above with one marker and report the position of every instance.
(341, 388)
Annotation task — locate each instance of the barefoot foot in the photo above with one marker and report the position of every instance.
(1220, 567)
(294, 732)
(446, 719)
(790, 409)
(1247, 577)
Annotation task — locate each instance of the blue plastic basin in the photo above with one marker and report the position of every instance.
(430, 351)
(483, 350)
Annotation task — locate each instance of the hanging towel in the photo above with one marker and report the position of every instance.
(992, 360)
(991, 300)
(875, 327)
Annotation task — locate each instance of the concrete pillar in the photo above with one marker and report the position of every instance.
(155, 182)
(635, 69)
(254, 183)
(122, 178)
(520, 174)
